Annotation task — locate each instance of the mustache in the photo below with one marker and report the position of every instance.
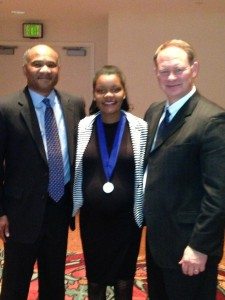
(45, 76)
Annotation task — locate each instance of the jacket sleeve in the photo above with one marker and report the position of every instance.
(2, 156)
(208, 232)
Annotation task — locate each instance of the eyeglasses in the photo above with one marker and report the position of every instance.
(104, 91)
(176, 71)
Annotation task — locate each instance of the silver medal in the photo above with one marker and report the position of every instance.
(108, 187)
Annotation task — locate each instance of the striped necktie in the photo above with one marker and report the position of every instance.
(55, 160)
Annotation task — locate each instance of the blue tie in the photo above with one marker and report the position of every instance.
(55, 160)
(163, 128)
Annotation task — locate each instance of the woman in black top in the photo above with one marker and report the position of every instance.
(108, 187)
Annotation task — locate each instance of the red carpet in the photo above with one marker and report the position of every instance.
(76, 283)
(221, 283)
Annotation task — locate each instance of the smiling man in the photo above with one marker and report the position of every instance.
(175, 71)
(37, 137)
(184, 205)
(41, 68)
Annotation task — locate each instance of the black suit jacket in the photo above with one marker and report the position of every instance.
(23, 163)
(185, 189)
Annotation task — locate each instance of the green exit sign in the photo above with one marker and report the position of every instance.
(33, 30)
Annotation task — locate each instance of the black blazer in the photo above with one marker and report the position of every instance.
(23, 163)
(185, 189)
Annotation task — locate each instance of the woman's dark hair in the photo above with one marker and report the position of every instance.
(109, 70)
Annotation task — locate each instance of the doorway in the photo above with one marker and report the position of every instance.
(76, 72)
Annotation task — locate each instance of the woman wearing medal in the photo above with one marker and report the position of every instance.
(108, 186)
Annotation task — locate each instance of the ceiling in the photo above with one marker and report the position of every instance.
(41, 10)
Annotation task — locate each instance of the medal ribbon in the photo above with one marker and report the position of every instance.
(109, 161)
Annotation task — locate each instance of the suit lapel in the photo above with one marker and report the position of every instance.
(153, 124)
(29, 115)
(177, 122)
(70, 121)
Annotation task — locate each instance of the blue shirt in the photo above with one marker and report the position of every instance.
(173, 109)
(40, 112)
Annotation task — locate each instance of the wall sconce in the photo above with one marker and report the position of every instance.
(7, 50)
(75, 51)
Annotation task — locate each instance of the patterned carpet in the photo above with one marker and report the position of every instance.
(76, 283)
(221, 283)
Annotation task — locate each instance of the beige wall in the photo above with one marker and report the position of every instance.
(57, 34)
(134, 37)
(57, 31)
(128, 38)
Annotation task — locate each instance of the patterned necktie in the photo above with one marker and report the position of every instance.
(163, 128)
(55, 160)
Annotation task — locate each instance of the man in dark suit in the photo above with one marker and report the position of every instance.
(185, 182)
(33, 222)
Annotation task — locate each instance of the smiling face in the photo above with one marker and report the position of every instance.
(41, 69)
(174, 72)
(109, 94)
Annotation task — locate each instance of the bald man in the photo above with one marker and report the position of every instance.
(34, 223)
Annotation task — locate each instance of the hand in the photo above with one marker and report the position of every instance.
(4, 228)
(193, 262)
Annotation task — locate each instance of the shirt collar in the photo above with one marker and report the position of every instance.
(176, 106)
(37, 98)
